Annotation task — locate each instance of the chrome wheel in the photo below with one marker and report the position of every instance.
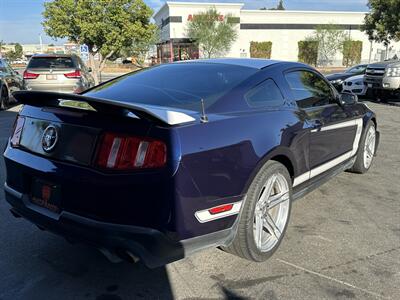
(271, 212)
(369, 147)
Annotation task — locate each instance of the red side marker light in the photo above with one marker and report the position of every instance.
(220, 209)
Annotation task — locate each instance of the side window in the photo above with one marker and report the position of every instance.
(309, 89)
(265, 94)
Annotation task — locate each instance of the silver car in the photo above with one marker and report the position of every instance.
(57, 73)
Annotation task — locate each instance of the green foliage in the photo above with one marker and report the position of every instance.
(214, 36)
(18, 50)
(140, 48)
(260, 49)
(15, 54)
(330, 40)
(280, 6)
(352, 52)
(382, 22)
(308, 52)
(105, 26)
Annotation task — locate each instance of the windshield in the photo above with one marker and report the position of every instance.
(180, 85)
(357, 69)
(51, 63)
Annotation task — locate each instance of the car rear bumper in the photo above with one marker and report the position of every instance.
(153, 247)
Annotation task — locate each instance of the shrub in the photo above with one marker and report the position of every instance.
(260, 49)
(308, 52)
(352, 52)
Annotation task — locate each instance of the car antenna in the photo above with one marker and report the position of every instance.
(203, 117)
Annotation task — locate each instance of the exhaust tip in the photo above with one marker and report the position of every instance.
(112, 257)
(128, 256)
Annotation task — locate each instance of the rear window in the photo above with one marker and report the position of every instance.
(180, 85)
(51, 63)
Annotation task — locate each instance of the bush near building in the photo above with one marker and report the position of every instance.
(308, 52)
(260, 49)
(352, 52)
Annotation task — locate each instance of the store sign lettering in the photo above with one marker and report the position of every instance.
(219, 18)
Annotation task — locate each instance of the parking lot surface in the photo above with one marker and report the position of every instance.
(343, 242)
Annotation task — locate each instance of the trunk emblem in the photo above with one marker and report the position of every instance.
(49, 138)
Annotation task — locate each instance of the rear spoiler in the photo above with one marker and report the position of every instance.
(165, 115)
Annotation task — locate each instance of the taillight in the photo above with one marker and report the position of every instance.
(122, 152)
(29, 75)
(75, 74)
(16, 137)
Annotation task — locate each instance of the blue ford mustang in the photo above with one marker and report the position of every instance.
(169, 160)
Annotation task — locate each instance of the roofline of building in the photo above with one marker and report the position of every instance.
(259, 11)
(303, 11)
(167, 3)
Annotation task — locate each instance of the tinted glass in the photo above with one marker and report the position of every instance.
(51, 62)
(309, 89)
(357, 69)
(180, 85)
(2, 66)
(265, 94)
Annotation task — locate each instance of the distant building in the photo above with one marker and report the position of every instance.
(283, 28)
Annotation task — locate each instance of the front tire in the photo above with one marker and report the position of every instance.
(265, 214)
(366, 151)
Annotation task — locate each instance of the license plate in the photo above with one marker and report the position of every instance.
(51, 77)
(370, 85)
(46, 195)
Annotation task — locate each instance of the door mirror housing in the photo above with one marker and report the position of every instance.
(347, 99)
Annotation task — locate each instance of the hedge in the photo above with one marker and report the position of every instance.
(352, 52)
(308, 52)
(260, 49)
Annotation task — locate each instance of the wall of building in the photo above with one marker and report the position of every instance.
(283, 28)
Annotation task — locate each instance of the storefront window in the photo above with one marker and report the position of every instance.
(181, 50)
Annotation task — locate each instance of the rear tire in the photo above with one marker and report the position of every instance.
(4, 98)
(366, 150)
(265, 214)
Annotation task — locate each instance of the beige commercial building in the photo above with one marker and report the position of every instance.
(283, 28)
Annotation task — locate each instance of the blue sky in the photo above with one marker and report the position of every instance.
(20, 20)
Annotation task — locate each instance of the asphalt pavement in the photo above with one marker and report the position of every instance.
(343, 242)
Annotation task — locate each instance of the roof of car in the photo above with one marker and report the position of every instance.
(53, 55)
(255, 63)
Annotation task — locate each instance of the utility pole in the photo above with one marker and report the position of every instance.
(41, 43)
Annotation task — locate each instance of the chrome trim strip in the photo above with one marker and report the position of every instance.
(204, 216)
(334, 162)
(12, 191)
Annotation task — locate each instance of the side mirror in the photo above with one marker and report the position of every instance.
(89, 69)
(347, 99)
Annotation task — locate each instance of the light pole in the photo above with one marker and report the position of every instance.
(41, 43)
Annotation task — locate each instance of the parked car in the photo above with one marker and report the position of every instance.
(337, 79)
(355, 85)
(57, 73)
(10, 81)
(172, 159)
(383, 78)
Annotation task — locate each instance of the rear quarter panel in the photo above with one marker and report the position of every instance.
(220, 158)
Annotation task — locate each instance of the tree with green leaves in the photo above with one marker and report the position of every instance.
(139, 49)
(351, 52)
(382, 23)
(105, 26)
(213, 32)
(330, 38)
(19, 51)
